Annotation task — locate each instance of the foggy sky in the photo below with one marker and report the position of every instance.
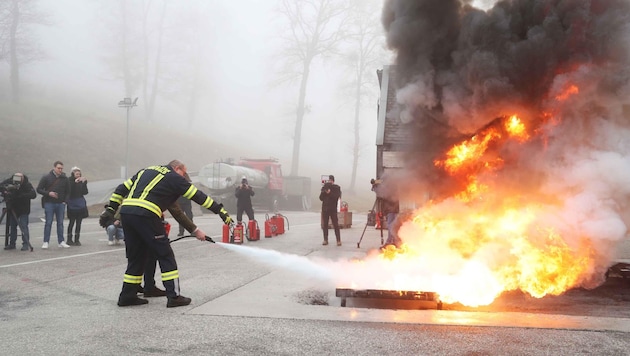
(242, 109)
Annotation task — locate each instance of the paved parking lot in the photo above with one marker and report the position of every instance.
(256, 298)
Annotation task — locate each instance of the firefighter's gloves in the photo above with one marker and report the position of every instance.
(227, 219)
(106, 216)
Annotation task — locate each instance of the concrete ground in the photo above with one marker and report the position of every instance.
(255, 299)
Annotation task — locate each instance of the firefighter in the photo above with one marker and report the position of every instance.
(142, 200)
(150, 289)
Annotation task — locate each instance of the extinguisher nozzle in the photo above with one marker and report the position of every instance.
(209, 239)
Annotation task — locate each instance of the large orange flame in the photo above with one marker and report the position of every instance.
(479, 244)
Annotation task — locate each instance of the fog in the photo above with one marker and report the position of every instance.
(241, 103)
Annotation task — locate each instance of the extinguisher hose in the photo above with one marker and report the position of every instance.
(287, 219)
(208, 238)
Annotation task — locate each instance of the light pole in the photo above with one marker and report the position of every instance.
(128, 104)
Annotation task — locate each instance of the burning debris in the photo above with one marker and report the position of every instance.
(520, 128)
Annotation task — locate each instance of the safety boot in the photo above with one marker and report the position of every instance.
(178, 301)
(128, 296)
(154, 292)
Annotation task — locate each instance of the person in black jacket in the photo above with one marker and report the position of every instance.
(142, 199)
(76, 204)
(17, 193)
(54, 190)
(244, 194)
(186, 207)
(329, 196)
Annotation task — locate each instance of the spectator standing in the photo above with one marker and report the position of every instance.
(76, 205)
(244, 194)
(186, 208)
(54, 188)
(18, 201)
(330, 195)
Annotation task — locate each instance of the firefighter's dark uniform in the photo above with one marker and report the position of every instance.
(144, 197)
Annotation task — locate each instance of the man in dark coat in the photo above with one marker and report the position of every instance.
(244, 194)
(54, 188)
(330, 195)
(17, 193)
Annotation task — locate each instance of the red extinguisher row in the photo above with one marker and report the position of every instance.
(236, 233)
(275, 225)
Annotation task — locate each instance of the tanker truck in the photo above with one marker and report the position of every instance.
(273, 190)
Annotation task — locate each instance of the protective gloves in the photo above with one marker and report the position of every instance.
(106, 216)
(227, 219)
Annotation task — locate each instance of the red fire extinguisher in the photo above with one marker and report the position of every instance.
(270, 228)
(253, 231)
(237, 236)
(226, 234)
(278, 220)
(167, 227)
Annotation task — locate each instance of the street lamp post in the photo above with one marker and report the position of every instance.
(128, 104)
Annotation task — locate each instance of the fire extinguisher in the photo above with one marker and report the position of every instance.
(167, 227)
(270, 228)
(278, 220)
(226, 234)
(237, 235)
(253, 231)
(344, 207)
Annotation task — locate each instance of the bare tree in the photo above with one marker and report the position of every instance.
(190, 54)
(157, 65)
(122, 55)
(18, 44)
(153, 49)
(365, 44)
(315, 30)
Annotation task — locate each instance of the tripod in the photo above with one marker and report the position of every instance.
(6, 211)
(379, 216)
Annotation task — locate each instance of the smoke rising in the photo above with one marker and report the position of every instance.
(562, 66)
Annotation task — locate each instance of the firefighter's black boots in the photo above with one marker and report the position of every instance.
(178, 301)
(128, 296)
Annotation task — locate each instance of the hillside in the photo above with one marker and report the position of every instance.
(33, 136)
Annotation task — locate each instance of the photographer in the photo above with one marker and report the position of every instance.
(330, 195)
(17, 192)
(244, 194)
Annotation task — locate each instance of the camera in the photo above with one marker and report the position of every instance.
(7, 190)
(375, 183)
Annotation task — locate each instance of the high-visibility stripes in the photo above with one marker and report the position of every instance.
(190, 192)
(208, 203)
(133, 186)
(150, 186)
(128, 183)
(143, 204)
(132, 279)
(168, 276)
(116, 198)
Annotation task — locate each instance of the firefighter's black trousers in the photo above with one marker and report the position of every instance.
(143, 235)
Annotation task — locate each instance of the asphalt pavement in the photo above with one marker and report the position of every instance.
(260, 298)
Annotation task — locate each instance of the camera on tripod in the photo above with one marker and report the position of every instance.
(7, 191)
(375, 183)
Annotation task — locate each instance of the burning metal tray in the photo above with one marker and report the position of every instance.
(345, 293)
